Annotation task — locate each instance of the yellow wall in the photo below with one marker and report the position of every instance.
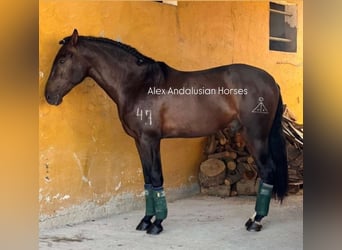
(84, 153)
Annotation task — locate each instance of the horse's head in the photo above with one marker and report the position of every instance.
(68, 69)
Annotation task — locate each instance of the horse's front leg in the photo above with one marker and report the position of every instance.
(156, 206)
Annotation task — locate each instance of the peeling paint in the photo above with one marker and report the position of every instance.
(56, 196)
(86, 180)
(65, 197)
(77, 160)
(40, 196)
(102, 33)
(191, 177)
(48, 199)
(79, 164)
(94, 209)
(118, 186)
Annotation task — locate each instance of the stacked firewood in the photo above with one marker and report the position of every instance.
(294, 134)
(293, 131)
(230, 170)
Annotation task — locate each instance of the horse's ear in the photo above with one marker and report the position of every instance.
(74, 38)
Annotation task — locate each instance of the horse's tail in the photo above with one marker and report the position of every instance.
(278, 152)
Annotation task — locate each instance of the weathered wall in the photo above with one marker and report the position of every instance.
(86, 159)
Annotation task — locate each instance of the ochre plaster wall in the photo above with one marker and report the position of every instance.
(84, 153)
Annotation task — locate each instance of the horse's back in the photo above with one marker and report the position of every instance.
(231, 75)
(244, 75)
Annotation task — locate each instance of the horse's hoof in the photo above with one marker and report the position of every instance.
(253, 226)
(144, 225)
(248, 223)
(154, 229)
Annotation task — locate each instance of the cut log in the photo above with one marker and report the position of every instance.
(292, 151)
(297, 125)
(211, 145)
(250, 175)
(235, 175)
(224, 154)
(212, 172)
(233, 190)
(238, 152)
(220, 148)
(239, 141)
(249, 159)
(300, 134)
(297, 162)
(249, 172)
(231, 179)
(221, 138)
(289, 114)
(295, 187)
(247, 187)
(231, 165)
(293, 133)
(229, 148)
(226, 133)
(232, 155)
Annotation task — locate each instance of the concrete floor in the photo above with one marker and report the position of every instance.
(198, 222)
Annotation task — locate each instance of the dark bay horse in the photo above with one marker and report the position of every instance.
(155, 101)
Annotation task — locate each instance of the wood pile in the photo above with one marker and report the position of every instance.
(294, 134)
(293, 131)
(230, 170)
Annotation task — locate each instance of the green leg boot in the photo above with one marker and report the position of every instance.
(263, 200)
(160, 207)
(160, 204)
(150, 211)
(262, 206)
(145, 223)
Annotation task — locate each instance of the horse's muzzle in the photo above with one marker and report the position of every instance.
(53, 99)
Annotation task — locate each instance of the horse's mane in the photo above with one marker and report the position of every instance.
(141, 58)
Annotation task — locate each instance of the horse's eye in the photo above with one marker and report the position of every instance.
(61, 61)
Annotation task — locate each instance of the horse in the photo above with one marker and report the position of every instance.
(155, 101)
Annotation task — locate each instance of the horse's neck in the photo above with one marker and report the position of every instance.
(111, 74)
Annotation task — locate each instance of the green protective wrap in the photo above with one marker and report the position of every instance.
(149, 201)
(263, 199)
(160, 205)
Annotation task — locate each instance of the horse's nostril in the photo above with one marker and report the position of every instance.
(48, 98)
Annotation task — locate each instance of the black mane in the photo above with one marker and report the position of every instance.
(141, 58)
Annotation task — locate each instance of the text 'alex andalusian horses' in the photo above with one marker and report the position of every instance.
(155, 101)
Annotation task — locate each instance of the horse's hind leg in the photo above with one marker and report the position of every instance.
(259, 150)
